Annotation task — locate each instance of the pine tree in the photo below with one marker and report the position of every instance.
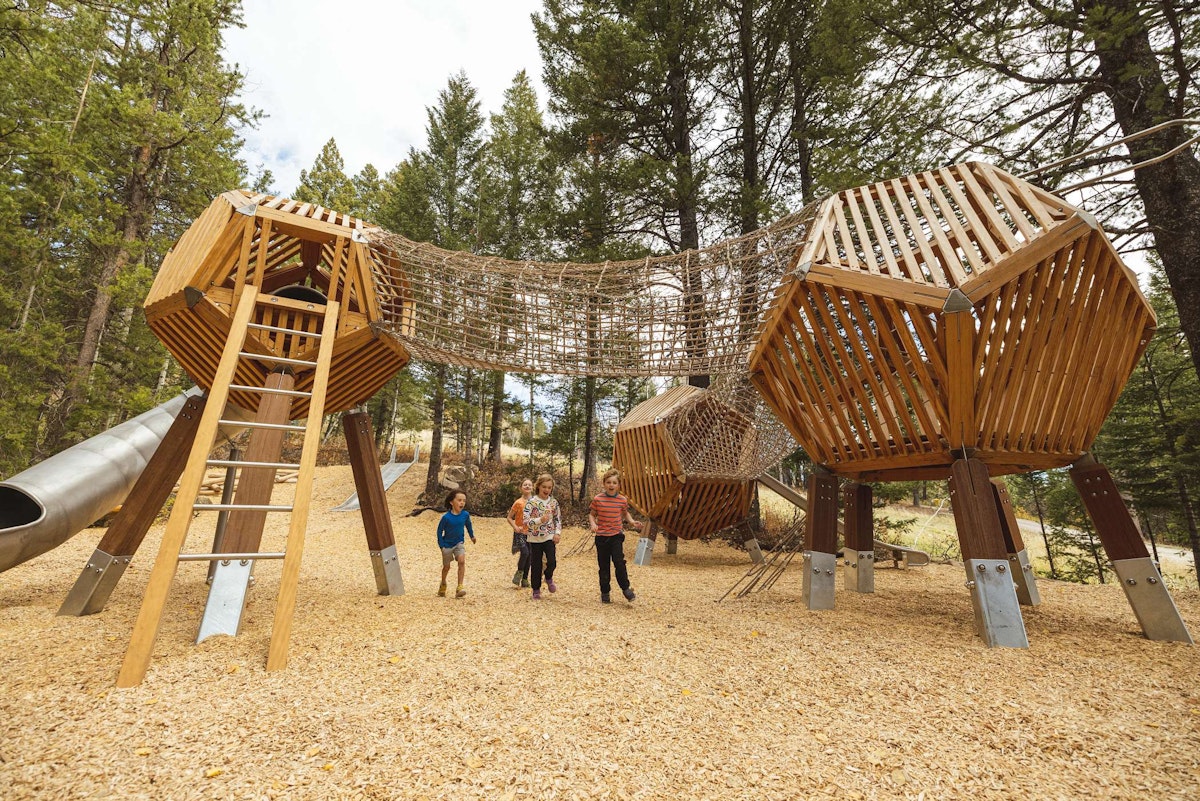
(325, 183)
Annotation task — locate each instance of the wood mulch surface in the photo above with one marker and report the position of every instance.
(496, 696)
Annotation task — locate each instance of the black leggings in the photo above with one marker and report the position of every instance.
(610, 551)
(536, 549)
(523, 560)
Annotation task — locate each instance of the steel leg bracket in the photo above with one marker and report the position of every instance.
(226, 599)
(818, 579)
(994, 596)
(386, 565)
(756, 554)
(645, 549)
(858, 570)
(1023, 577)
(95, 583)
(1150, 599)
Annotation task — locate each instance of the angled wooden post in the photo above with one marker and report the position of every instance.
(372, 500)
(1018, 558)
(993, 594)
(858, 557)
(820, 540)
(1139, 575)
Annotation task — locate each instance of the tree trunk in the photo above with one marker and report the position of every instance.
(1189, 515)
(495, 444)
(1170, 190)
(589, 437)
(1037, 504)
(437, 413)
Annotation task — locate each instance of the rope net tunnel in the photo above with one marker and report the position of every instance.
(692, 313)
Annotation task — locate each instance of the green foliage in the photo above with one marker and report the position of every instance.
(326, 184)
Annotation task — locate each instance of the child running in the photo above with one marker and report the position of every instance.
(520, 540)
(606, 516)
(544, 521)
(450, 531)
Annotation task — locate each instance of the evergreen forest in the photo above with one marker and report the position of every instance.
(665, 126)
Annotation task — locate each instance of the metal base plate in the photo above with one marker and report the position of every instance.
(994, 596)
(858, 570)
(1150, 599)
(1023, 577)
(756, 554)
(226, 599)
(818, 579)
(95, 583)
(386, 565)
(645, 549)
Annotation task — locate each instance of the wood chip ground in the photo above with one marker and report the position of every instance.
(889, 696)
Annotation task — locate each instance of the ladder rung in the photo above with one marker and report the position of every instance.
(271, 426)
(296, 393)
(226, 557)
(267, 357)
(281, 330)
(239, 507)
(236, 463)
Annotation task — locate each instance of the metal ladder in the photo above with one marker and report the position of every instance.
(145, 630)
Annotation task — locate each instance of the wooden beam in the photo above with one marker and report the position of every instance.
(975, 513)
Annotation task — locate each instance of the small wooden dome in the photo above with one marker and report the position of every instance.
(960, 308)
(297, 254)
(679, 456)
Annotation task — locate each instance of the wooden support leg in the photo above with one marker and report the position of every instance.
(859, 556)
(1018, 558)
(127, 530)
(993, 594)
(820, 540)
(645, 546)
(244, 529)
(1139, 576)
(372, 499)
(672, 544)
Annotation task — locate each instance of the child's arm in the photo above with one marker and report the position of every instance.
(441, 530)
(512, 518)
(470, 528)
(637, 524)
(557, 517)
(592, 524)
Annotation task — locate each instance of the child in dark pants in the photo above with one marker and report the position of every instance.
(606, 518)
(520, 538)
(543, 518)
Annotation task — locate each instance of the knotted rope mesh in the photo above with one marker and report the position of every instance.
(692, 313)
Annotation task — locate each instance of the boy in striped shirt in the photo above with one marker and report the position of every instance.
(608, 512)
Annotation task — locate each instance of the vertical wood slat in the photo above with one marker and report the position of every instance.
(285, 606)
(960, 395)
(145, 629)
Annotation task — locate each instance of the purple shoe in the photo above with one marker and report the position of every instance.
(550, 585)
(537, 595)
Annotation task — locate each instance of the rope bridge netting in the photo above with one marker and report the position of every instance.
(692, 313)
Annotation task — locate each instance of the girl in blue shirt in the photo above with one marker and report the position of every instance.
(450, 536)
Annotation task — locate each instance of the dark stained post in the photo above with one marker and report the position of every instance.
(127, 530)
(672, 544)
(372, 500)
(859, 555)
(244, 527)
(820, 540)
(993, 594)
(1137, 572)
(1018, 558)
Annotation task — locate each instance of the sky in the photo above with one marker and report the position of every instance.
(364, 71)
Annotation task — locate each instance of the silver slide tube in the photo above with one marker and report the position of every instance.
(44, 506)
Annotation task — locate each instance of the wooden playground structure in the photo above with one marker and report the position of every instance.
(960, 323)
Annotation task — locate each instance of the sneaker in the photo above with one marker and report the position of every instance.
(460, 592)
(605, 598)
(629, 594)
(524, 583)
(442, 590)
(517, 579)
(537, 595)
(550, 585)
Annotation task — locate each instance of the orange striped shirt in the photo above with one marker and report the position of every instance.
(610, 513)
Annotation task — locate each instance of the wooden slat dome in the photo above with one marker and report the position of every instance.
(652, 446)
(956, 309)
(297, 254)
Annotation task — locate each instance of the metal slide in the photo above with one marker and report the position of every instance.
(46, 505)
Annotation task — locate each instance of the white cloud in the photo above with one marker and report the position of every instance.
(364, 71)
